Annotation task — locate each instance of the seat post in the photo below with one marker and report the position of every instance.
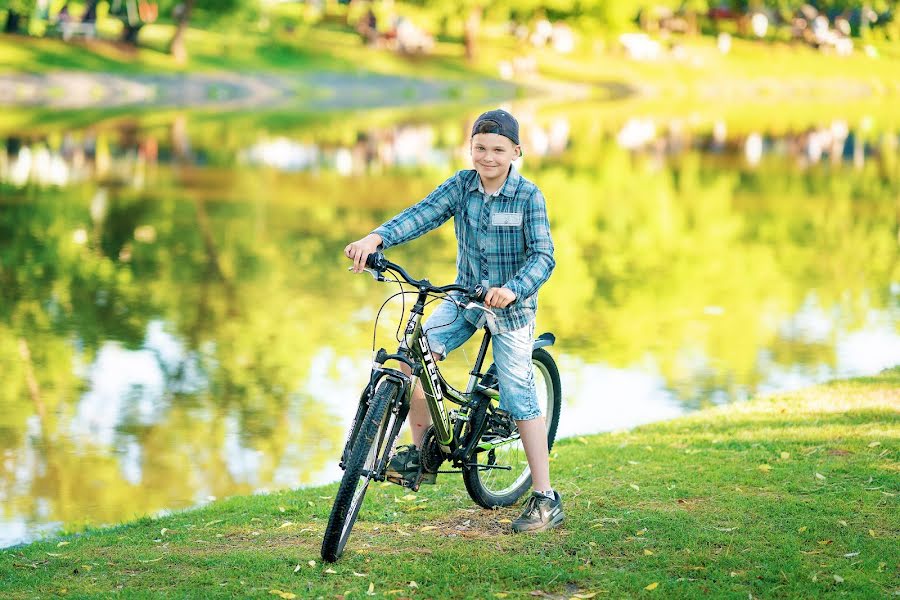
(475, 374)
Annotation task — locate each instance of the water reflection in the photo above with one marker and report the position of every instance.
(171, 328)
(127, 154)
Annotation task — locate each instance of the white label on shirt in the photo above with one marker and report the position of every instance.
(506, 219)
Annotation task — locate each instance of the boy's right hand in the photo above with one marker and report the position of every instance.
(360, 250)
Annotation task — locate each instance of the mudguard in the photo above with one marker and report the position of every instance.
(545, 339)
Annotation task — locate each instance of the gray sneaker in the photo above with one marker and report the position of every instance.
(540, 514)
(405, 467)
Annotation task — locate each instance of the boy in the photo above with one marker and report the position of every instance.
(504, 244)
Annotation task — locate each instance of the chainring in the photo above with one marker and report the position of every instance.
(431, 454)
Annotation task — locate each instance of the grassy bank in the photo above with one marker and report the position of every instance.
(788, 497)
(760, 68)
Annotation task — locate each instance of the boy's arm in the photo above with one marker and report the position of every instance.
(539, 262)
(423, 216)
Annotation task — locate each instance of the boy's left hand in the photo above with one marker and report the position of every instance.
(499, 297)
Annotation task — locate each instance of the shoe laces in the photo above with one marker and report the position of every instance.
(531, 506)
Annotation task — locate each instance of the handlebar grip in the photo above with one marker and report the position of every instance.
(375, 261)
(479, 293)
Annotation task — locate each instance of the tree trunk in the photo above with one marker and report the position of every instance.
(130, 33)
(470, 35)
(12, 21)
(177, 48)
(90, 12)
(34, 390)
(692, 23)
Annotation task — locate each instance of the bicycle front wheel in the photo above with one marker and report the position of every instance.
(368, 448)
(502, 474)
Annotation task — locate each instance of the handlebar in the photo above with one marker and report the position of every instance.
(377, 262)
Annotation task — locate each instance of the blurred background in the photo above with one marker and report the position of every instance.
(178, 180)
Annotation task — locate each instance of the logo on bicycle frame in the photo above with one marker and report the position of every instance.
(432, 368)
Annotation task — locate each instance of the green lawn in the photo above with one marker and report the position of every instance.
(762, 68)
(324, 48)
(793, 496)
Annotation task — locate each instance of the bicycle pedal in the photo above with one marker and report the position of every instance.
(429, 478)
(412, 484)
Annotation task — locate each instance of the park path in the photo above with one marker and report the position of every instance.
(73, 90)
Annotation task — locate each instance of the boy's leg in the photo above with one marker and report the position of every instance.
(446, 330)
(512, 355)
(405, 467)
(419, 418)
(534, 438)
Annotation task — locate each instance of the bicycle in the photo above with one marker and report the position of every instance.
(479, 439)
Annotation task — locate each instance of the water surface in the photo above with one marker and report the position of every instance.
(177, 323)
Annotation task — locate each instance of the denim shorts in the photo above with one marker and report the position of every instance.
(447, 330)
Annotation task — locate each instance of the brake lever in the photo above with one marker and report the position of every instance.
(473, 305)
(481, 307)
(377, 275)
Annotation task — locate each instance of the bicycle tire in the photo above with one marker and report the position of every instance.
(480, 483)
(350, 496)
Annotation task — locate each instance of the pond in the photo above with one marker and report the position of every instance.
(177, 323)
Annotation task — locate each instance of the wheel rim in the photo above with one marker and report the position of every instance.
(500, 482)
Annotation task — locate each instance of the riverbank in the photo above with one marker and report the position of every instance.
(790, 496)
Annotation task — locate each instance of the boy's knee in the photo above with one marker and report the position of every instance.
(418, 393)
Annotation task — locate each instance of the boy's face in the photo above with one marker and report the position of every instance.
(491, 155)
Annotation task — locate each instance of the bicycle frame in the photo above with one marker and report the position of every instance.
(461, 436)
(415, 352)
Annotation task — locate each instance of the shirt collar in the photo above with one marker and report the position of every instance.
(508, 188)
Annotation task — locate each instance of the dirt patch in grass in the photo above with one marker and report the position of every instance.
(477, 523)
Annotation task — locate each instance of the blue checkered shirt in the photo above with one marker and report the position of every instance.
(503, 239)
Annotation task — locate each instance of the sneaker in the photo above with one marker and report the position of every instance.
(540, 514)
(405, 467)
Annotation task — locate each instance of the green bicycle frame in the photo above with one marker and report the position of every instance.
(416, 347)
(436, 389)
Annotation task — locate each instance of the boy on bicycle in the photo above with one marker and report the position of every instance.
(504, 244)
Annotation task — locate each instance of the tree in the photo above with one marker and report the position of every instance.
(134, 15)
(16, 10)
(182, 17)
(211, 10)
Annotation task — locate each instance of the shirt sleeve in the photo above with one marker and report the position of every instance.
(539, 261)
(420, 218)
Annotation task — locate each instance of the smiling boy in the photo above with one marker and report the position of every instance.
(504, 244)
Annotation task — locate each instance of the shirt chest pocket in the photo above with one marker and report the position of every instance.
(506, 219)
(508, 232)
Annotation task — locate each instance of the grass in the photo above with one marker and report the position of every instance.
(325, 47)
(793, 496)
(765, 68)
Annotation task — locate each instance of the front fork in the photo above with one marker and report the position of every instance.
(399, 406)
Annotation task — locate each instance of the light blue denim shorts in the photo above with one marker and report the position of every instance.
(447, 329)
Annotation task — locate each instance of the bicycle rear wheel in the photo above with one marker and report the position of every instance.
(368, 448)
(502, 474)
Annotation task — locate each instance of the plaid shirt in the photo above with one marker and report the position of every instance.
(503, 239)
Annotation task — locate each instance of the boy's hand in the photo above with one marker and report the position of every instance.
(500, 297)
(360, 250)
